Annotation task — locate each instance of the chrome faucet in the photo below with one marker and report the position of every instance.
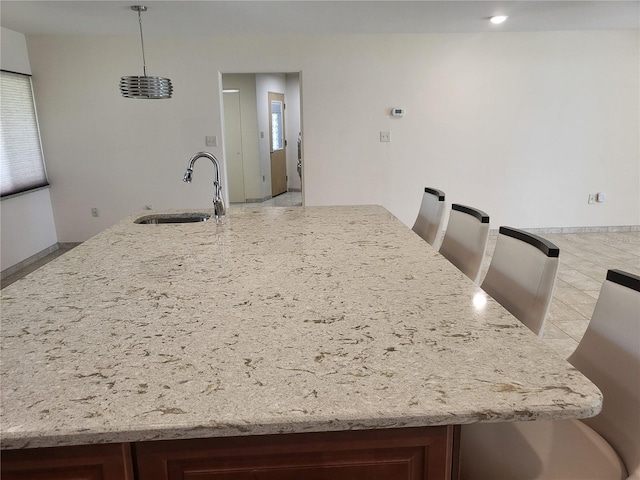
(218, 202)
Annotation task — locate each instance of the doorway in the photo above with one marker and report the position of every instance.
(253, 130)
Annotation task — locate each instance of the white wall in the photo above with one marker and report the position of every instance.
(521, 125)
(26, 221)
(292, 128)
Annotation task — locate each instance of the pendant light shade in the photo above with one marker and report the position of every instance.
(145, 86)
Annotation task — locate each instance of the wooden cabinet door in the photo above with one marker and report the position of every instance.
(397, 454)
(87, 462)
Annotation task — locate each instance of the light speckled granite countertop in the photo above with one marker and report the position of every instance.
(279, 320)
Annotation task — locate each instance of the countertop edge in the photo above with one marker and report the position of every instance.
(186, 432)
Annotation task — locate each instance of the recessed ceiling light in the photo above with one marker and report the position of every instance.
(498, 19)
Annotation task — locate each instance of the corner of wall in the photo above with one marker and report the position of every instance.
(28, 225)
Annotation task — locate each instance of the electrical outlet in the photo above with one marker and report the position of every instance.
(592, 198)
(211, 141)
(95, 212)
(385, 136)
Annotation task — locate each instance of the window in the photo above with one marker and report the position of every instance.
(277, 130)
(21, 163)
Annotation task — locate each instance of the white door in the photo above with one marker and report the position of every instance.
(233, 146)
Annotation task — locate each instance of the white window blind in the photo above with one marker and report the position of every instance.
(21, 163)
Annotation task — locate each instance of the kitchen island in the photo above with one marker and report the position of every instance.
(277, 321)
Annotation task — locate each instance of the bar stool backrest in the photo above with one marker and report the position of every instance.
(522, 275)
(609, 355)
(465, 239)
(428, 223)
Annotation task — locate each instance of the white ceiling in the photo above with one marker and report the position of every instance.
(213, 17)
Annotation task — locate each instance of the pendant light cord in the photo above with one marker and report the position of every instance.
(144, 63)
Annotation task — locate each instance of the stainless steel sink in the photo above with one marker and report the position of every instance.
(173, 218)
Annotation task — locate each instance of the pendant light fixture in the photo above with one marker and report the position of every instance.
(145, 86)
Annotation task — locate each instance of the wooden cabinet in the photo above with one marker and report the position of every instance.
(390, 454)
(86, 462)
(396, 454)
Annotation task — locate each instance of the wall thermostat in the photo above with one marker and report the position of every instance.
(397, 112)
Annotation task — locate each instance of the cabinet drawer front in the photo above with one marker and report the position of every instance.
(393, 454)
(388, 464)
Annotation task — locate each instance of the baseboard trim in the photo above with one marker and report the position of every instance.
(34, 258)
(68, 245)
(28, 261)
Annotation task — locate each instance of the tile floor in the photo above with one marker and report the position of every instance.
(287, 199)
(584, 261)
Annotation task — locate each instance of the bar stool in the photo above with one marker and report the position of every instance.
(522, 275)
(604, 447)
(429, 221)
(465, 239)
